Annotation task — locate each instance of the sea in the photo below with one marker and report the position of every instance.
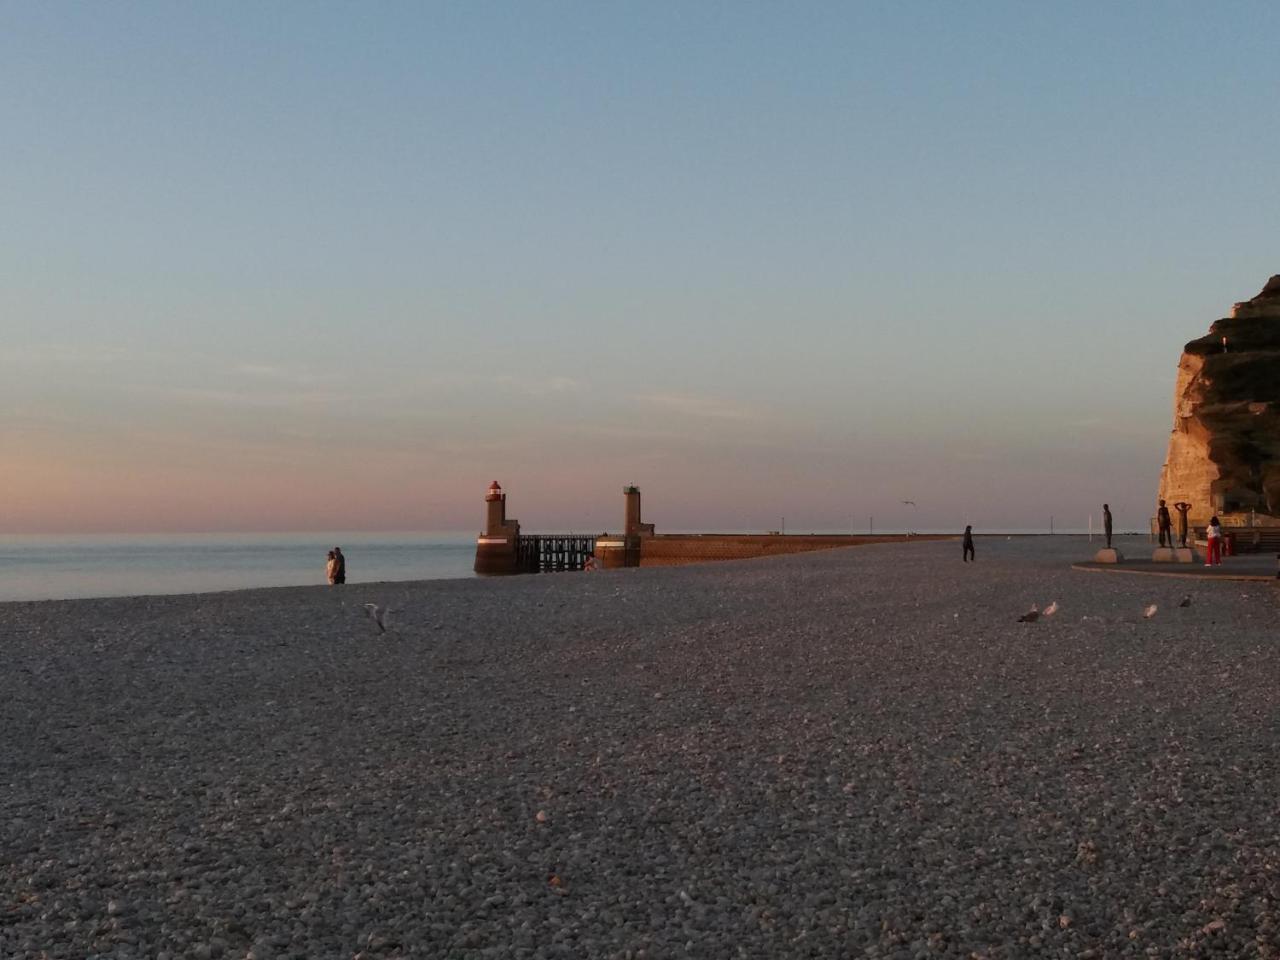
(66, 567)
(62, 567)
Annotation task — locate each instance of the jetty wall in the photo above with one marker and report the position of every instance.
(501, 548)
(674, 549)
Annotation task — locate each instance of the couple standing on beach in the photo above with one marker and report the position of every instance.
(336, 568)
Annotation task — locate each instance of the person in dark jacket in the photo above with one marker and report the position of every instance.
(968, 545)
(1165, 523)
(340, 570)
(1183, 509)
(1106, 523)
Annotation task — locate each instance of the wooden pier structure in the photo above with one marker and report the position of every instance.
(553, 553)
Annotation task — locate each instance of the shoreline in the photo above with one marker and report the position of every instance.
(236, 591)
(878, 541)
(419, 580)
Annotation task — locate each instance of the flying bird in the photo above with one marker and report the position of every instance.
(1051, 609)
(1150, 612)
(1031, 616)
(378, 615)
(1185, 601)
(909, 503)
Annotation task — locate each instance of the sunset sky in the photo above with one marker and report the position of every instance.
(318, 266)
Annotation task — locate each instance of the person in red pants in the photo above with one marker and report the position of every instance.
(1214, 536)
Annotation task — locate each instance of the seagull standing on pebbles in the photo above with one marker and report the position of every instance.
(1185, 601)
(1031, 616)
(378, 615)
(1150, 612)
(1051, 609)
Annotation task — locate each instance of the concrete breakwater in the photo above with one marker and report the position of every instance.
(672, 549)
(503, 549)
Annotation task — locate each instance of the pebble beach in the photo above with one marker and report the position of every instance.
(853, 753)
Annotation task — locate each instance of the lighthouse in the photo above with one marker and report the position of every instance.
(634, 527)
(496, 545)
(625, 550)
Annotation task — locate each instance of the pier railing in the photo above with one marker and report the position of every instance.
(553, 552)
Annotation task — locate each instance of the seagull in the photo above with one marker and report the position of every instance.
(1185, 601)
(1150, 612)
(908, 503)
(1031, 616)
(1051, 609)
(378, 615)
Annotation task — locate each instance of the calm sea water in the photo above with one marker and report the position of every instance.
(65, 567)
(62, 567)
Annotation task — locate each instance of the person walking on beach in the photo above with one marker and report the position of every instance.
(340, 570)
(1165, 524)
(968, 545)
(331, 567)
(1214, 536)
(1106, 523)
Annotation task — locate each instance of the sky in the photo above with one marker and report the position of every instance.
(337, 266)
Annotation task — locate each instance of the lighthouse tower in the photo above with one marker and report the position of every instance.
(634, 527)
(496, 545)
(625, 550)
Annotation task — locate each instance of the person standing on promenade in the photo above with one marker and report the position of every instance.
(1106, 523)
(340, 571)
(1182, 507)
(968, 545)
(1214, 536)
(1165, 524)
(331, 567)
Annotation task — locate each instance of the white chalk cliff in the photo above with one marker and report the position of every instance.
(1224, 452)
